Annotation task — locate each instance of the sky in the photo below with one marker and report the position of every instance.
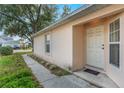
(72, 6)
(60, 10)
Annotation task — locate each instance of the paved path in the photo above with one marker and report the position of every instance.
(22, 50)
(49, 80)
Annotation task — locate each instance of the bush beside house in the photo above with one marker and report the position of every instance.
(7, 50)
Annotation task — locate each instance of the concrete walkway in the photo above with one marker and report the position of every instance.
(22, 50)
(101, 80)
(48, 80)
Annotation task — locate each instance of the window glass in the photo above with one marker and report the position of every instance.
(114, 31)
(114, 54)
(114, 42)
(47, 43)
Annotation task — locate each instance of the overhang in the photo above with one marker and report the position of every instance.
(83, 11)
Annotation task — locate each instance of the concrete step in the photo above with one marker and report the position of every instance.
(101, 80)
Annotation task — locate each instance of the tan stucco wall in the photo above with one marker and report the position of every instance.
(63, 49)
(61, 46)
(79, 47)
(116, 74)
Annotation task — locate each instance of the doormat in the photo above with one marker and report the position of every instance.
(91, 71)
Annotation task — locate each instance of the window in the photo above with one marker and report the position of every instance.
(47, 43)
(115, 42)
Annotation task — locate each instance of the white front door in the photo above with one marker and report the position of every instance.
(95, 47)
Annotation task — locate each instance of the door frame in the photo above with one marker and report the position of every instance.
(104, 46)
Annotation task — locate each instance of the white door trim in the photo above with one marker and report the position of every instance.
(95, 53)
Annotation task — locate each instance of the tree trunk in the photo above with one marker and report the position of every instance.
(32, 45)
(34, 27)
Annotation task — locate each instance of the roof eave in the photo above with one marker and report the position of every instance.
(74, 15)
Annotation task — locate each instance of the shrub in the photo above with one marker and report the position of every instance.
(7, 50)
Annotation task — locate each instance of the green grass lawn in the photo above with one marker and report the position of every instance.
(14, 73)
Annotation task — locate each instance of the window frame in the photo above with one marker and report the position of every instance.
(115, 42)
(45, 36)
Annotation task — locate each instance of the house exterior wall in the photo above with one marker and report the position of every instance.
(79, 47)
(61, 46)
(116, 74)
(66, 51)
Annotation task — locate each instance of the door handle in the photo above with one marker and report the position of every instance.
(103, 46)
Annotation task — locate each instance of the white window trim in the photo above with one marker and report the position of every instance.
(47, 53)
(114, 43)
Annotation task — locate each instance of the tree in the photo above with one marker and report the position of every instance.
(66, 10)
(25, 20)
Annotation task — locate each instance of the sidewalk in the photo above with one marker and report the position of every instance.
(22, 50)
(48, 80)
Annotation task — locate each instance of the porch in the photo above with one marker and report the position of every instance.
(90, 44)
(91, 48)
(100, 80)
